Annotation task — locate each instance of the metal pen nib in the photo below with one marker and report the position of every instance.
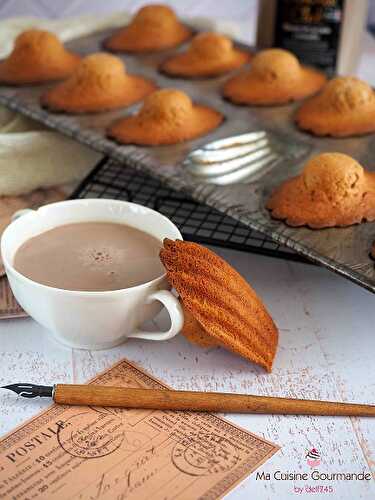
(31, 390)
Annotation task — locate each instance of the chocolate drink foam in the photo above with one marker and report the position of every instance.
(90, 256)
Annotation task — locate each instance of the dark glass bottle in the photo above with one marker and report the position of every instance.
(322, 33)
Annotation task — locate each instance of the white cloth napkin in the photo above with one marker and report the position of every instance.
(31, 156)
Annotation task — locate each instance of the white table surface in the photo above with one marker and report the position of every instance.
(326, 351)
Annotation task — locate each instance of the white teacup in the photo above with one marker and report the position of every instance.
(92, 320)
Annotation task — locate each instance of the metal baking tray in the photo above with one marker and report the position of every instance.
(197, 222)
(342, 250)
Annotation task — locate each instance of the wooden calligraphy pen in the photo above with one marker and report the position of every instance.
(156, 399)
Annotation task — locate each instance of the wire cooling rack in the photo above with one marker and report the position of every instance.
(196, 222)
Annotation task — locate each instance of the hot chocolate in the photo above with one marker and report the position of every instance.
(90, 256)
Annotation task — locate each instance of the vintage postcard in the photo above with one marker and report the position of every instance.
(8, 206)
(11, 204)
(9, 308)
(90, 453)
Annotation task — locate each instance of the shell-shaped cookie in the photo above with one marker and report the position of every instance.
(345, 107)
(167, 116)
(153, 28)
(38, 56)
(223, 303)
(332, 190)
(99, 83)
(275, 77)
(209, 54)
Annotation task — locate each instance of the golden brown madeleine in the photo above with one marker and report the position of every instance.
(275, 77)
(209, 54)
(345, 107)
(167, 116)
(194, 332)
(220, 302)
(99, 83)
(332, 190)
(153, 28)
(37, 57)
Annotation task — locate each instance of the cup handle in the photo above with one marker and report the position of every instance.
(173, 306)
(20, 213)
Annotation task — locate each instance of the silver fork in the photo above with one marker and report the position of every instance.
(233, 159)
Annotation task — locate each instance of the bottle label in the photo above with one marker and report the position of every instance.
(311, 30)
